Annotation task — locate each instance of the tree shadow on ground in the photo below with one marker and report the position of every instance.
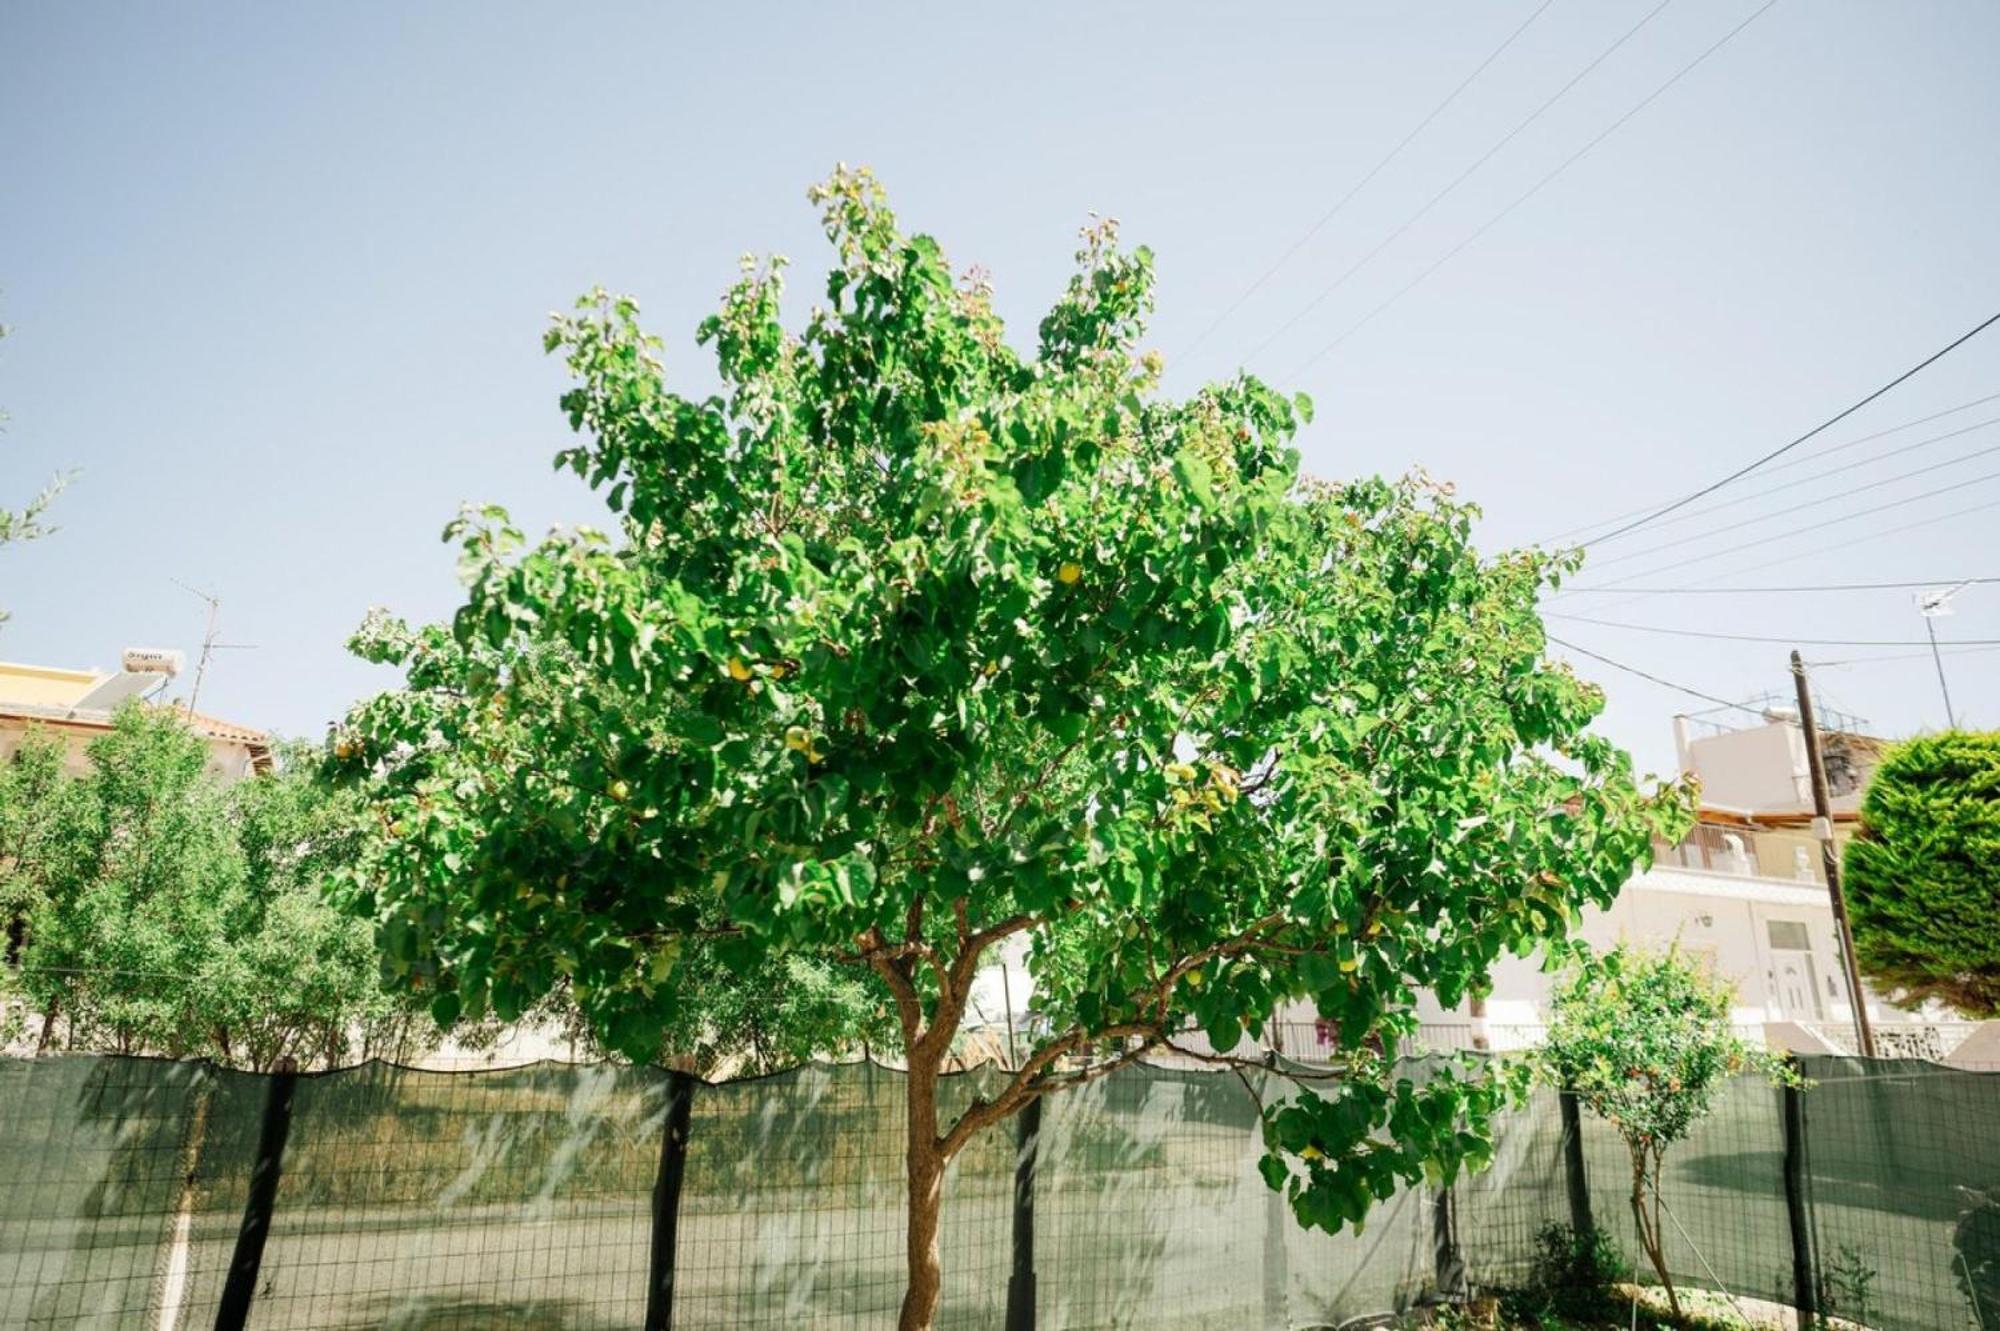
(462, 1314)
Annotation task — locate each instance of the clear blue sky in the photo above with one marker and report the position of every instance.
(277, 276)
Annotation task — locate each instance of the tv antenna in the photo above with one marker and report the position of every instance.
(1934, 605)
(210, 643)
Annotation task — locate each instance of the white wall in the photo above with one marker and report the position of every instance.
(1762, 768)
(1725, 918)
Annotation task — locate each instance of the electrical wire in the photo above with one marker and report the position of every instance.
(1945, 648)
(1439, 197)
(1327, 217)
(1632, 593)
(1694, 515)
(1795, 462)
(1809, 587)
(1822, 427)
(1533, 190)
(1651, 678)
(1754, 637)
(1787, 535)
(1803, 505)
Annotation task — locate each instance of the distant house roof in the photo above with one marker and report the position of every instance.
(217, 728)
(50, 695)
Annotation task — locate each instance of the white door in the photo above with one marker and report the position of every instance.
(1792, 968)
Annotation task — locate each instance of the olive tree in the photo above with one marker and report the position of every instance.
(910, 641)
(1645, 1039)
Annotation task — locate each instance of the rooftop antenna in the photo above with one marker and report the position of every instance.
(1934, 605)
(209, 642)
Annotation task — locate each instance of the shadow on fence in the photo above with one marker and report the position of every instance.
(173, 1196)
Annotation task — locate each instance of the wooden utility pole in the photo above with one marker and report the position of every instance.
(1829, 854)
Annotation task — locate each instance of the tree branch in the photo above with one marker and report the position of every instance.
(1254, 1064)
(1024, 1085)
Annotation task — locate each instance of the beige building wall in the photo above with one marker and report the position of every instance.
(46, 698)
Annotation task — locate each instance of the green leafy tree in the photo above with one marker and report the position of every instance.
(33, 793)
(155, 909)
(1646, 1041)
(782, 1012)
(1923, 875)
(910, 642)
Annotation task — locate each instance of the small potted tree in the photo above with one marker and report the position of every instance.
(1645, 1040)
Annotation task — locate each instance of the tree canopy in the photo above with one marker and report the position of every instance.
(1923, 874)
(151, 908)
(908, 641)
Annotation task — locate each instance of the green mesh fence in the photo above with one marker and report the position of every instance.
(793, 1209)
(525, 1200)
(517, 1198)
(92, 1188)
(1725, 1224)
(1903, 1172)
(1498, 1213)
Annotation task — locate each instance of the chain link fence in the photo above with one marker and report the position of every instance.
(142, 1193)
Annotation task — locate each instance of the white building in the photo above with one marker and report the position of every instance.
(1746, 891)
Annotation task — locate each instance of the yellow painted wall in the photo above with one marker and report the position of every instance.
(43, 686)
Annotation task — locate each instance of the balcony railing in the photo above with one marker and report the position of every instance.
(1733, 851)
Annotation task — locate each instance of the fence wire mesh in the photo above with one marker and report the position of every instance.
(528, 1200)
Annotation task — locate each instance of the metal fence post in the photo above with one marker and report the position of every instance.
(1805, 1292)
(1573, 1168)
(667, 1202)
(241, 1286)
(1027, 1159)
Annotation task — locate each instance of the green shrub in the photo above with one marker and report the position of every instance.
(1572, 1276)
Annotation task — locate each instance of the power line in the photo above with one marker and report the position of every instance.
(1753, 637)
(1632, 593)
(1537, 188)
(1811, 587)
(1815, 502)
(1652, 678)
(1824, 425)
(1361, 184)
(1456, 181)
(1900, 656)
(1796, 531)
(1796, 462)
(1868, 461)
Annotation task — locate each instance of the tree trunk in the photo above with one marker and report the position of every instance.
(925, 1163)
(48, 1026)
(1645, 1180)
